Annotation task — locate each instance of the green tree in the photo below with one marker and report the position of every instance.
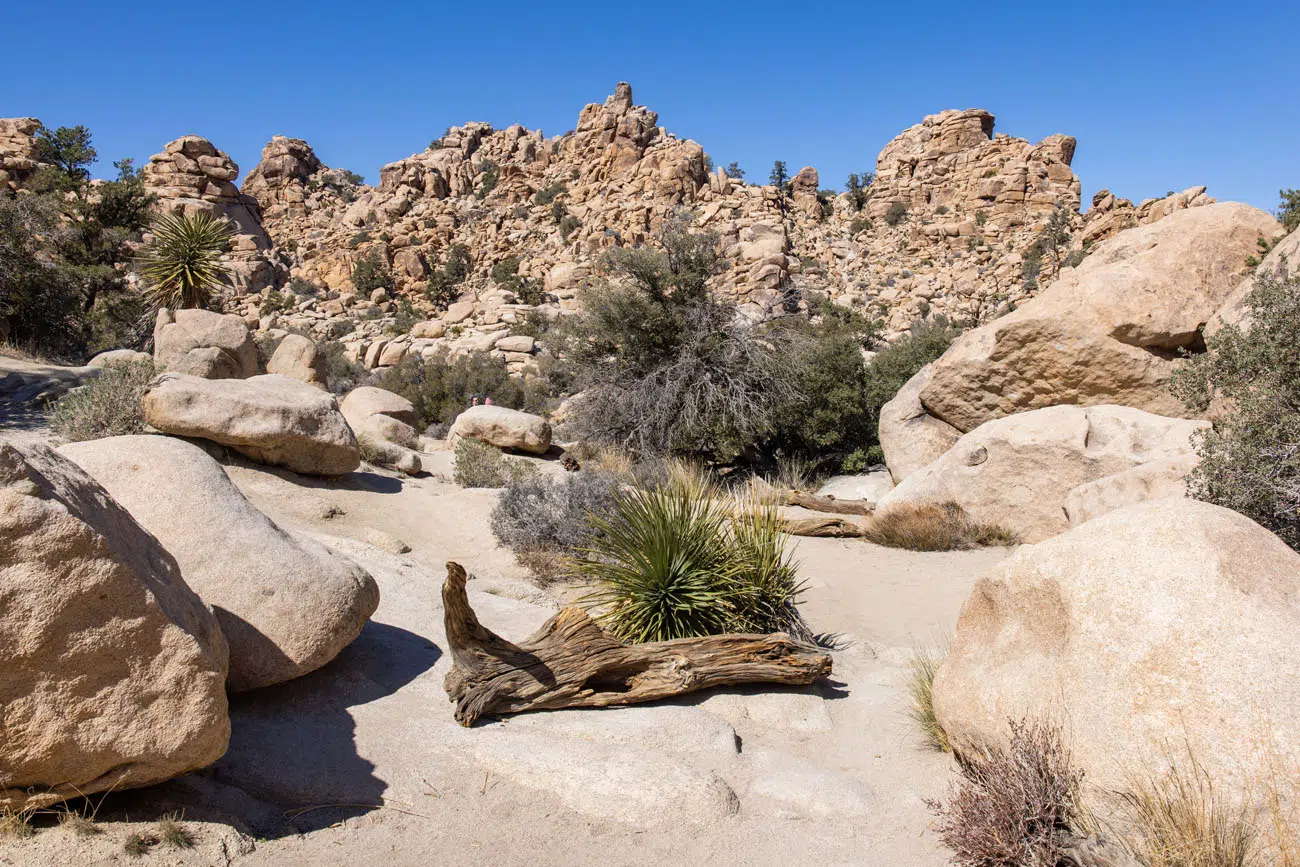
(1288, 209)
(779, 176)
(734, 171)
(859, 188)
(68, 149)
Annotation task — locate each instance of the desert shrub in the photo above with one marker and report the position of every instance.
(526, 289)
(665, 366)
(491, 176)
(443, 286)
(1179, 819)
(548, 194)
(174, 833)
(342, 374)
(371, 272)
(923, 667)
(107, 406)
(672, 566)
(860, 224)
(934, 527)
(734, 171)
(1014, 806)
(941, 210)
(891, 367)
(543, 512)
(40, 301)
(441, 389)
(568, 225)
(479, 465)
(1250, 460)
(981, 217)
(897, 211)
(275, 302)
(859, 189)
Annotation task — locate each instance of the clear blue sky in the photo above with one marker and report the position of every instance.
(1160, 95)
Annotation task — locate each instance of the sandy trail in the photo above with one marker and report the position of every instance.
(834, 773)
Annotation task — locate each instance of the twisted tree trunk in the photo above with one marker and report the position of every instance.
(572, 662)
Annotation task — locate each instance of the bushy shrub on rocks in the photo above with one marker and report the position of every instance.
(479, 465)
(108, 406)
(541, 511)
(441, 388)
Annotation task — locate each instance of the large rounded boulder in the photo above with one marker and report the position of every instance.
(272, 419)
(1026, 471)
(385, 423)
(504, 428)
(1107, 331)
(286, 605)
(1158, 628)
(112, 670)
(203, 343)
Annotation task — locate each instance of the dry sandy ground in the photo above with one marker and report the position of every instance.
(360, 763)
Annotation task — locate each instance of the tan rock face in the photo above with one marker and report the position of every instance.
(272, 419)
(502, 427)
(1107, 330)
(910, 437)
(1282, 261)
(192, 176)
(203, 343)
(286, 605)
(298, 357)
(1168, 622)
(112, 670)
(386, 422)
(17, 150)
(1019, 471)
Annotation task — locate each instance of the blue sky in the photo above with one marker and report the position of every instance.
(1160, 95)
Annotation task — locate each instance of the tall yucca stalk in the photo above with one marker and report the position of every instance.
(182, 264)
(662, 567)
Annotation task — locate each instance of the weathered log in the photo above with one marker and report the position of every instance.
(826, 504)
(572, 662)
(835, 528)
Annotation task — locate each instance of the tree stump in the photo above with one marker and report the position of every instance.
(572, 662)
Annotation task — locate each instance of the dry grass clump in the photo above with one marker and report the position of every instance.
(172, 832)
(920, 688)
(138, 844)
(16, 824)
(934, 527)
(81, 824)
(1180, 819)
(1014, 806)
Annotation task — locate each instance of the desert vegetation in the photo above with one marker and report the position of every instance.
(105, 407)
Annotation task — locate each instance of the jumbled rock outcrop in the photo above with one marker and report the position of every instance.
(286, 605)
(112, 671)
(272, 419)
(504, 428)
(1164, 626)
(1020, 472)
(385, 421)
(203, 343)
(1108, 331)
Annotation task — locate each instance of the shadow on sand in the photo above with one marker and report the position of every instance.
(292, 766)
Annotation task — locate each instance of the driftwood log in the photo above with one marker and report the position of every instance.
(572, 662)
(835, 528)
(819, 503)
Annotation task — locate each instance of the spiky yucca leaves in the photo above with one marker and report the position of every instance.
(182, 265)
(661, 570)
(767, 573)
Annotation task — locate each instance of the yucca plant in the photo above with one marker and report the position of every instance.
(182, 265)
(767, 573)
(662, 567)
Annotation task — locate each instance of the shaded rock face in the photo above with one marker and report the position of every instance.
(286, 605)
(298, 357)
(279, 180)
(112, 671)
(1107, 331)
(192, 176)
(502, 427)
(1167, 623)
(271, 419)
(1020, 472)
(910, 437)
(204, 344)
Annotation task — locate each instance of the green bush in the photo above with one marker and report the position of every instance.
(491, 176)
(442, 389)
(548, 194)
(545, 512)
(897, 211)
(894, 365)
(108, 406)
(479, 465)
(568, 225)
(370, 273)
(342, 374)
(275, 302)
(1250, 461)
(671, 566)
(1288, 209)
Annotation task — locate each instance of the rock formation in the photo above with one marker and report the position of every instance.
(17, 150)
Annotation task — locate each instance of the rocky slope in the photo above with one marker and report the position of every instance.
(943, 231)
